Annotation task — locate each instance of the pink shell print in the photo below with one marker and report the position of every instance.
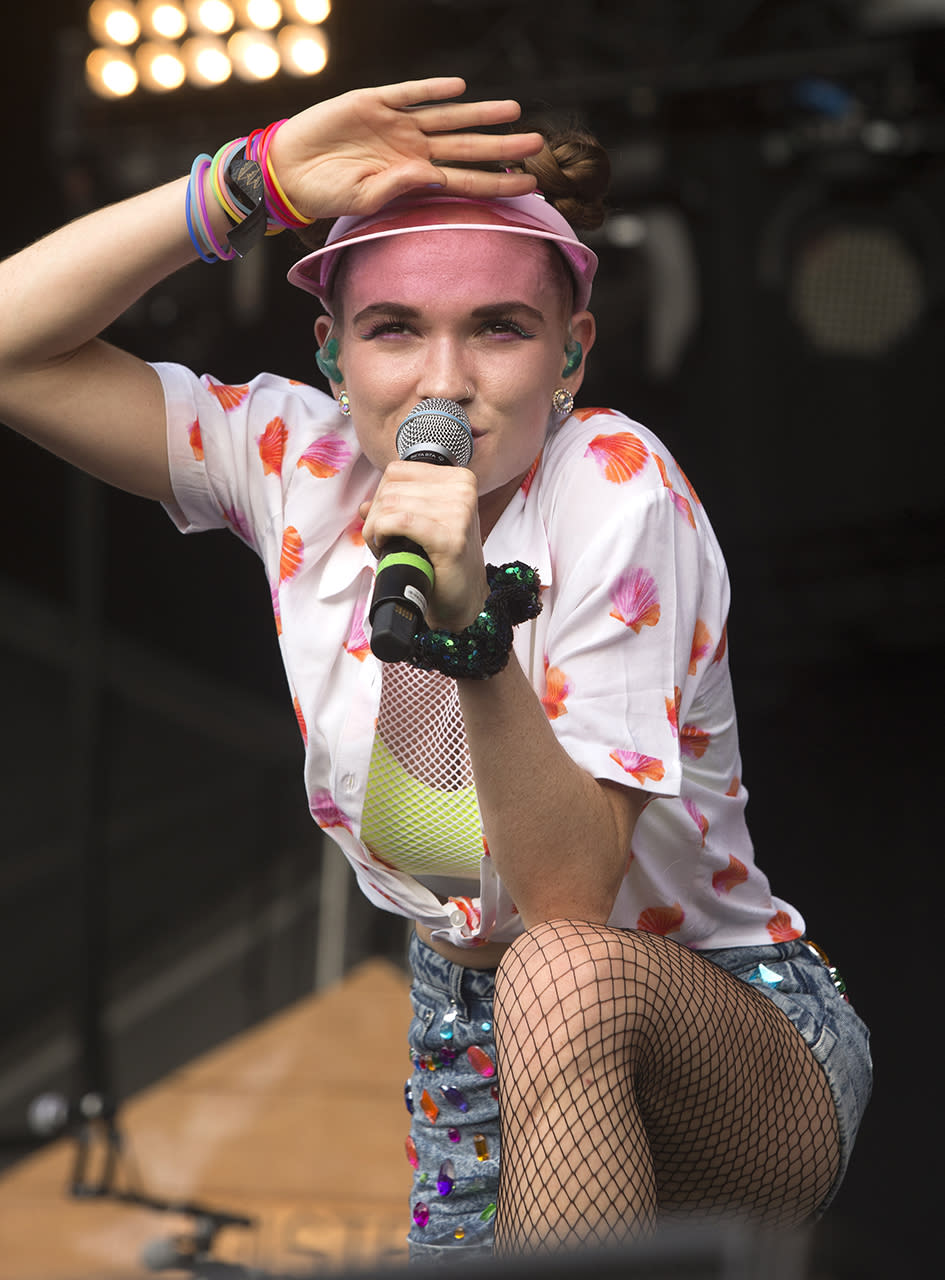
(326, 813)
(639, 766)
(698, 817)
(635, 599)
(325, 457)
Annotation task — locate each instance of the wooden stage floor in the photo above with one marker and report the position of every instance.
(298, 1124)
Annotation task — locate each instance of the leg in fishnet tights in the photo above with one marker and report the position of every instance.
(637, 1080)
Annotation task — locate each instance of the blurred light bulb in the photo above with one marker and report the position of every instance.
(114, 21)
(216, 16)
(164, 18)
(263, 14)
(110, 73)
(159, 67)
(254, 54)
(304, 50)
(206, 61)
(313, 11)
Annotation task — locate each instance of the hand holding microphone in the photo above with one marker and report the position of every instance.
(436, 431)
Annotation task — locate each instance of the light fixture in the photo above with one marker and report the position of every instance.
(111, 73)
(162, 45)
(163, 18)
(206, 61)
(311, 11)
(304, 50)
(264, 15)
(215, 17)
(114, 22)
(160, 67)
(254, 55)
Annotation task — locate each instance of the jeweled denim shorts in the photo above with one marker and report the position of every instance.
(453, 1099)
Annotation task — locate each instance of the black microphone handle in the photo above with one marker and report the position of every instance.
(403, 578)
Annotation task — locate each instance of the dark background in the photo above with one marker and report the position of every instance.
(151, 799)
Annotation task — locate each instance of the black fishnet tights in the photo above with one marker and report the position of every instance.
(637, 1080)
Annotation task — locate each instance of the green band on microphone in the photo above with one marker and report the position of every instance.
(406, 557)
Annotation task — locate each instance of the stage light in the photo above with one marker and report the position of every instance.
(173, 42)
(264, 15)
(254, 55)
(313, 11)
(160, 67)
(213, 16)
(110, 73)
(114, 22)
(163, 18)
(304, 51)
(206, 61)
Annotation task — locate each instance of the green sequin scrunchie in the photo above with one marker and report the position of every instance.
(483, 649)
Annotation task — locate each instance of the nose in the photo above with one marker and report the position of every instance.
(444, 374)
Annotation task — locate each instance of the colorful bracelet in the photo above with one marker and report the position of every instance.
(483, 649)
(232, 197)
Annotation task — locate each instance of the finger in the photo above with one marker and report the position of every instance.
(482, 184)
(408, 93)
(450, 116)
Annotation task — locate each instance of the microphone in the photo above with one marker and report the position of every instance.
(435, 431)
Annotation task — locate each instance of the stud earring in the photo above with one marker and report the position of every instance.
(575, 354)
(562, 402)
(344, 404)
(326, 358)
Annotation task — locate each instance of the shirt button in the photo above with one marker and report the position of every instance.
(457, 918)
(349, 784)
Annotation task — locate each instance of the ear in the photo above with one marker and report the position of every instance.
(583, 330)
(322, 329)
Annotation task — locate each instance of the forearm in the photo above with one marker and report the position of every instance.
(558, 837)
(64, 290)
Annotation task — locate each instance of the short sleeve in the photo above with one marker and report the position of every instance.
(637, 578)
(234, 450)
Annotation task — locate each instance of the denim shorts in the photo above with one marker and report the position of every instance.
(453, 1099)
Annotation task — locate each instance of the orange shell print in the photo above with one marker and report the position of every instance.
(529, 476)
(701, 644)
(292, 551)
(694, 741)
(722, 645)
(272, 446)
(303, 728)
(639, 766)
(557, 688)
(734, 874)
(662, 920)
(635, 599)
(734, 786)
(781, 929)
(620, 457)
(325, 457)
(229, 397)
(195, 440)
(583, 415)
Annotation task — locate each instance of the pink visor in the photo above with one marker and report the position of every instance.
(529, 215)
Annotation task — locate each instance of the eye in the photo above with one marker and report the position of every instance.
(507, 327)
(384, 327)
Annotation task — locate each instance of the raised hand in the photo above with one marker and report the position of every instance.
(353, 153)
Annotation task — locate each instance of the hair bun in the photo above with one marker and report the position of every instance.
(573, 173)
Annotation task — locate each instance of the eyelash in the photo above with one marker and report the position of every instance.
(392, 325)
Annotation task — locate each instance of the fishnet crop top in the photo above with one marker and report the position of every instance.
(420, 809)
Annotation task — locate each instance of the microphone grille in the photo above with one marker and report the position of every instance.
(439, 426)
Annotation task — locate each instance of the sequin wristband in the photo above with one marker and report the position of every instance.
(483, 649)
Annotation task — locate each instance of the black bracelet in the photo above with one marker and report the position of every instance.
(483, 649)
